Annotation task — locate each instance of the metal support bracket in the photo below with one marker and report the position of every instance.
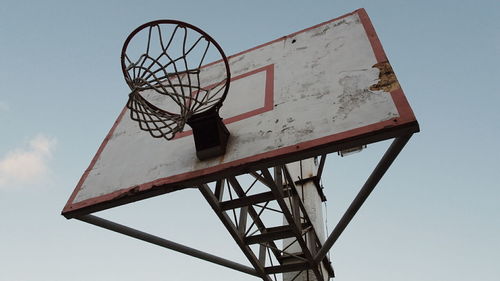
(241, 210)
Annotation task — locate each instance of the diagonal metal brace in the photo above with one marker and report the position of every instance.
(379, 171)
(235, 233)
(113, 226)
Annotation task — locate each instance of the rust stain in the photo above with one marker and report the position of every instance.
(387, 79)
(223, 156)
(130, 192)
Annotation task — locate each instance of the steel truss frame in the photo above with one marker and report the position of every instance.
(242, 215)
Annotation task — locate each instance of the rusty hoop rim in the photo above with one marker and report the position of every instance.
(190, 26)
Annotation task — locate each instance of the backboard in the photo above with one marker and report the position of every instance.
(320, 90)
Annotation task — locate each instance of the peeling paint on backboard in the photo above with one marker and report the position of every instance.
(331, 83)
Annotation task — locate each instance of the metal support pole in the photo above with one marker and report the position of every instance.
(383, 165)
(292, 217)
(166, 243)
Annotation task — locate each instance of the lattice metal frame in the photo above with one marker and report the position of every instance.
(241, 214)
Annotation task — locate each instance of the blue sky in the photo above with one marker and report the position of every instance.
(435, 215)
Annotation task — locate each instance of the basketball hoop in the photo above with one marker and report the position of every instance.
(167, 82)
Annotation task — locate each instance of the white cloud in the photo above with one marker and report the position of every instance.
(24, 166)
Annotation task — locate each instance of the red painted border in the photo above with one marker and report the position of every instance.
(405, 112)
(406, 117)
(268, 98)
(269, 95)
(69, 206)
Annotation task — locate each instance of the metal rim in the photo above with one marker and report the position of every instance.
(186, 25)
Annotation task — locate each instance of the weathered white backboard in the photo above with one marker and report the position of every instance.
(322, 89)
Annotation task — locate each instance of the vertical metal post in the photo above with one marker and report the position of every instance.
(305, 172)
(277, 189)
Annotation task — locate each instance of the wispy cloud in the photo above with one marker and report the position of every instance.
(27, 165)
(4, 106)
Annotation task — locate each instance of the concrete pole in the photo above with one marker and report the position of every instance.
(305, 171)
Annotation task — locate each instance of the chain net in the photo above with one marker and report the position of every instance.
(167, 80)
